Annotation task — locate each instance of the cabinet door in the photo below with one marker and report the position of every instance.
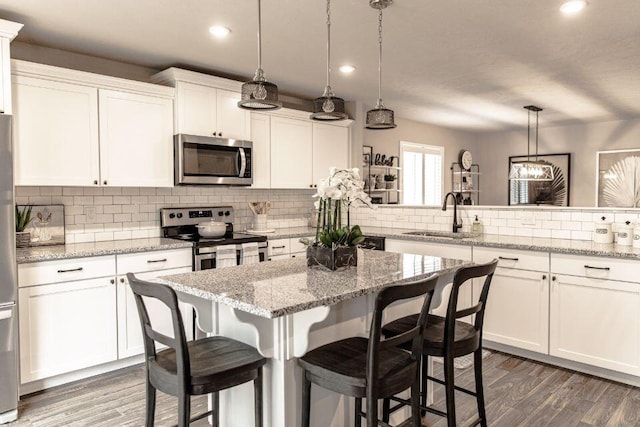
(136, 140)
(5, 76)
(233, 122)
(261, 137)
(66, 326)
(517, 312)
(196, 109)
(330, 148)
(130, 341)
(465, 295)
(596, 322)
(291, 151)
(55, 132)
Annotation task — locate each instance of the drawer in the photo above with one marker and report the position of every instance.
(153, 261)
(278, 257)
(65, 270)
(625, 270)
(278, 247)
(509, 258)
(295, 246)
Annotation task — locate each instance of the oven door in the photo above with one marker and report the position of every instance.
(205, 259)
(208, 160)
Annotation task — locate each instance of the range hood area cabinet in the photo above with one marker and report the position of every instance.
(74, 128)
(294, 152)
(206, 105)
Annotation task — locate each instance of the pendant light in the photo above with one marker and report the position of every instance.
(531, 170)
(259, 94)
(328, 107)
(380, 117)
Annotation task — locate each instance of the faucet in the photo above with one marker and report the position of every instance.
(456, 225)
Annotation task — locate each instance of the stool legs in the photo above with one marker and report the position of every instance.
(450, 391)
(151, 404)
(477, 367)
(415, 401)
(257, 390)
(306, 400)
(184, 409)
(358, 420)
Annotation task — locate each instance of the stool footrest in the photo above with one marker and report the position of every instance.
(464, 390)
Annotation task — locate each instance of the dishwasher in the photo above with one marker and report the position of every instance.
(373, 242)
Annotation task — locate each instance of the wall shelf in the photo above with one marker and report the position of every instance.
(465, 183)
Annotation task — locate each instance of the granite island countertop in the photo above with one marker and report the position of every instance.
(83, 250)
(277, 288)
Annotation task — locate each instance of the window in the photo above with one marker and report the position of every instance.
(421, 173)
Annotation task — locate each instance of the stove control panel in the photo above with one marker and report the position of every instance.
(173, 217)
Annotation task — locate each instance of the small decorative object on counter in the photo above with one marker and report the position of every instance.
(23, 218)
(602, 231)
(636, 236)
(625, 234)
(260, 210)
(476, 227)
(335, 244)
(390, 181)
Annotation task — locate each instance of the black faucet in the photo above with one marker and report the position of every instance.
(456, 226)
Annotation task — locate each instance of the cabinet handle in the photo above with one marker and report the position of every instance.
(278, 247)
(310, 185)
(151, 261)
(112, 281)
(95, 182)
(544, 277)
(219, 133)
(70, 270)
(122, 280)
(597, 268)
(105, 183)
(507, 258)
(553, 278)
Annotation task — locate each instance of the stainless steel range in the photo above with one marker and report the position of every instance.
(180, 223)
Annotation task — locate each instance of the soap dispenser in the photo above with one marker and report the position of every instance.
(476, 227)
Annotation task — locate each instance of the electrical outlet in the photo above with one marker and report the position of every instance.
(527, 219)
(90, 212)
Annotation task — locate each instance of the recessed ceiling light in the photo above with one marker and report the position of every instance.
(347, 69)
(573, 7)
(219, 31)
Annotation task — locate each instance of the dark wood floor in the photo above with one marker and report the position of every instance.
(518, 392)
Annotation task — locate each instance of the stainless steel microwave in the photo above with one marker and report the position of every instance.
(209, 160)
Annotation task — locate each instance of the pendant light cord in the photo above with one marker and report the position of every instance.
(537, 136)
(380, 59)
(528, 135)
(329, 44)
(259, 73)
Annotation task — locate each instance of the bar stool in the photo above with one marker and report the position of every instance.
(448, 337)
(197, 367)
(372, 368)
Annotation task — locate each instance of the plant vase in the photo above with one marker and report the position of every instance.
(23, 238)
(333, 259)
(391, 185)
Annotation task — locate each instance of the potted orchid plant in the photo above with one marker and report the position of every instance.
(336, 239)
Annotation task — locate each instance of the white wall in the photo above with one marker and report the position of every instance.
(582, 141)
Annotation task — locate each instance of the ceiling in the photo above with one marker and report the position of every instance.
(467, 64)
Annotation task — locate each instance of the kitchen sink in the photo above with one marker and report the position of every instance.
(446, 234)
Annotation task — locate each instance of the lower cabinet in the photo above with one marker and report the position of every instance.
(66, 326)
(596, 321)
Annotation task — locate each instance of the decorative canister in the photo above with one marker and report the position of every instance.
(625, 234)
(602, 232)
(636, 236)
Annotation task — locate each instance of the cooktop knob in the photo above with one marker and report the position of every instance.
(179, 215)
(220, 213)
(172, 215)
(227, 213)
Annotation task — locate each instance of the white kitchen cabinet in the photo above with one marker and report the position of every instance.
(517, 312)
(136, 134)
(8, 31)
(67, 326)
(207, 105)
(596, 321)
(291, 153)
(81, 129)
(55, 131)
(330, 149)
(261, 137)
(465, 295)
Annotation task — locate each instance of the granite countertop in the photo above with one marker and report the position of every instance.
(82, 250)
(277, 288)
(566, 246)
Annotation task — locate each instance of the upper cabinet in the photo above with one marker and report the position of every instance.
(82, 129)
(8, 31)
(207, 105)
(330, 148)
(291, 151)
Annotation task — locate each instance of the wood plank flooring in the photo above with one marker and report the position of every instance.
(519, 393)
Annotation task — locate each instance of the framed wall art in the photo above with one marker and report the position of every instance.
(618, 178)
(554, 193)
(46, 226)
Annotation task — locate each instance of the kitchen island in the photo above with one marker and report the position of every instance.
(284, 308)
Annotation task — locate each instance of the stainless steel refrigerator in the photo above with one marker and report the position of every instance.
(8, 280)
